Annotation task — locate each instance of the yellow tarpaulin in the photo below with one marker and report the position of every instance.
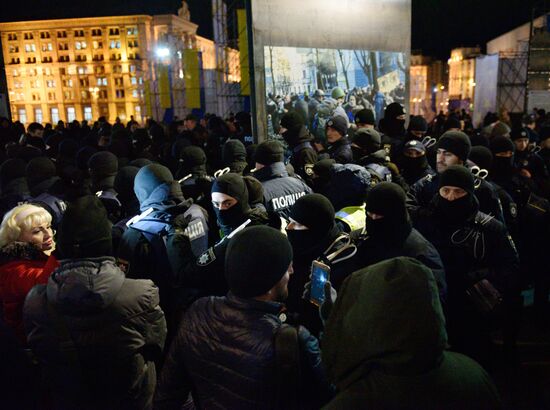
(192, 79)
(164, 87)
(243, 48)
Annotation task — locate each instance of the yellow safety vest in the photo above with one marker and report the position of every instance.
(353, 216)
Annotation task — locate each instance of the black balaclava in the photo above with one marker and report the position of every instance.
(293, 123)
(234, 156)
(482, 157)
(233, 185)
(503, 167)
(388, 199)
(103, 168)
(124, 186)
(255, 192)
(454, 213)
(393, 126)
(322, 170)
(192, 161)
(368, 141)
(413, 168)
(317, 213)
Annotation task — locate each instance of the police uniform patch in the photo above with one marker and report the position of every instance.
(308, 168)
(195, 230)
(206, 258)
(513, 210)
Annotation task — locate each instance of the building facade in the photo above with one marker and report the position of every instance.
(462, 70)
(123, 66)
(428, 86)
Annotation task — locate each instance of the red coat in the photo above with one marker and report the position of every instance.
(22, 266)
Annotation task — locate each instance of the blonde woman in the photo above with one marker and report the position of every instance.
(26, 246)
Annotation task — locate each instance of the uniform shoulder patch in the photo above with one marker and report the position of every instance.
(513, 210)
(206, 258)
(308, 169)
(195, 230)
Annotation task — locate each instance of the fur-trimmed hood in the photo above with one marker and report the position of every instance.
(20, 251)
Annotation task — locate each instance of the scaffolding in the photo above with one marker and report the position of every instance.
(512, 81)
(538, 59)
(227, 72)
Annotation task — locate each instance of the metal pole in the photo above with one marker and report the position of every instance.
(526, 100)
(248, 7)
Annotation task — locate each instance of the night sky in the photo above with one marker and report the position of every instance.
(438, 25)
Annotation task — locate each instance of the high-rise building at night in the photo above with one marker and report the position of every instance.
(123, 66)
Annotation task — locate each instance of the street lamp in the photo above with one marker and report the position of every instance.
(162, 52)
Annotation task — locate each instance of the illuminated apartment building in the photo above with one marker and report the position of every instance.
(122, 66)
(462, 73)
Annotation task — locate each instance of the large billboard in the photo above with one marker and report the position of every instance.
(486, 82)
(367, 41)
(308, 80)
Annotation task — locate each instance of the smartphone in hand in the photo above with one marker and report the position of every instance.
(319, 275)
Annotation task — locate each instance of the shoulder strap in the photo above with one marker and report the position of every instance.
(287, 363)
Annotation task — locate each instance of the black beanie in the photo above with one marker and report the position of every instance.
(458, 176)
(124, 183)
(393, 111)
(193, 156)
(314, 211)
(256, 260)
(367, 139)
(292, 121)
(339, 124)
(233, 185)
(457, 143)
(364, 116)
(482, 157)
(39, 169)
(83, 156)
(233, 151)
(518, 133)
(323, 168)
(255, 190)
(140, 162)
(452, 122)
(103, 164)
(85, 231)
(502, 144)
(269, 152)
(387, 199)
(149, 178)
(12, 169)
(418, 123)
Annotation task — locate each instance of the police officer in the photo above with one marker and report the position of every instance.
(339, 147)
(453, 149)
(414, 163)
(347, 191)
(389, 233)
(479, 257)
(298, 138)
(103, 167)
(393, 127)
(161, 241)
(280, 190)
(529, 163)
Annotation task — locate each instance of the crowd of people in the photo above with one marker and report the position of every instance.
(177, 265)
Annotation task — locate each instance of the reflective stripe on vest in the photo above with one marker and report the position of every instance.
(353, 216)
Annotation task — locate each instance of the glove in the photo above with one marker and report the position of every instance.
(181, 222)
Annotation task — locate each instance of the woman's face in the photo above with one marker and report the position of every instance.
(39, 235)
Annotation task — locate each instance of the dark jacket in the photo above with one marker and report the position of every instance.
(381, 158)
(371, 251)
(340, 151)
(384, 350)
(303, 155)
(116, 326)
(280, 190)
(421, 194)
(224, 355)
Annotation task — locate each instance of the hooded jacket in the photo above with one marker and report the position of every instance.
(116, 326)
(22, 266)
(384, 345)
(303, 155)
